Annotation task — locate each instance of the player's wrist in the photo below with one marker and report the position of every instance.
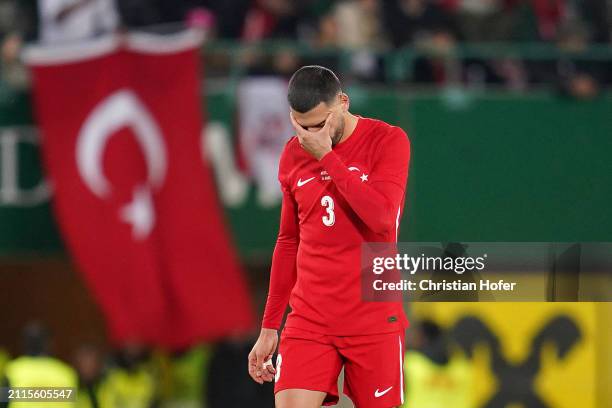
(266, 331)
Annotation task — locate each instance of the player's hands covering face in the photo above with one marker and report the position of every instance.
(318, 143)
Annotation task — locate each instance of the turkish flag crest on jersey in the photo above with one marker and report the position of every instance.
(121, 124)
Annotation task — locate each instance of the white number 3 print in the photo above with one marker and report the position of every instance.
(330, 218)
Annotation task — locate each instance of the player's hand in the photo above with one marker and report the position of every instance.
(318, 143)
(260, 357)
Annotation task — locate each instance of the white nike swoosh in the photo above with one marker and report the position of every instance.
(381, 393)
(300, 183)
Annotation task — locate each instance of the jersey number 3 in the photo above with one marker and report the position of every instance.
(330, 218)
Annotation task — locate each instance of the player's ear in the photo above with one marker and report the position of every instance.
(345, 101)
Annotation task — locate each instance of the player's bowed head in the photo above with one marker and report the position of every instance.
(319, 110)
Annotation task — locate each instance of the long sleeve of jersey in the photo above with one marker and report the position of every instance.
(376, 199)
(283, 272)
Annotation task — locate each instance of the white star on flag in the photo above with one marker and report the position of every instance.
(140, 213)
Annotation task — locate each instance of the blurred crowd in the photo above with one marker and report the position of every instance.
(367, 30)
(345, 23)
(212, 376)
(135, 376)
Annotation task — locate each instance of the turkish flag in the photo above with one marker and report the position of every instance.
(121, 135)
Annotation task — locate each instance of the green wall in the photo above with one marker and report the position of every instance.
(510, 169)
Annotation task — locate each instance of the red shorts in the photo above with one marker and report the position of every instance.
(373, 366)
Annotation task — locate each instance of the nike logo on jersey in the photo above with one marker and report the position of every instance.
(378, 394)
(301, 182)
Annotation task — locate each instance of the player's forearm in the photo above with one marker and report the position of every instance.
(283, 271)
(377, 211)
(282, 280)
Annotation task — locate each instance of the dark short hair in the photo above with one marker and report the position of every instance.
(311, 85)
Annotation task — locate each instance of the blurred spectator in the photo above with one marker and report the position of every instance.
(131, 382)
(230, 16)
(429, 28)
(595, 14)
(36, 368)
(435, 377)
(573, 75)
(485, 20)
(359, 24)
(326, 41)
(64, 21)
(412, 22)
(16, 22)
(482, 21)
(13, 71)
(185, 377)
(360, 29)
(549, 16)
(328, 32)
(9, 17)
(88, 363)
(543, 19)
(273, 19)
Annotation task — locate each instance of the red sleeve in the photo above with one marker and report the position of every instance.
(283, 272)
(377, 201)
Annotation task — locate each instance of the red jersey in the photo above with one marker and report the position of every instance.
(354, 194)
